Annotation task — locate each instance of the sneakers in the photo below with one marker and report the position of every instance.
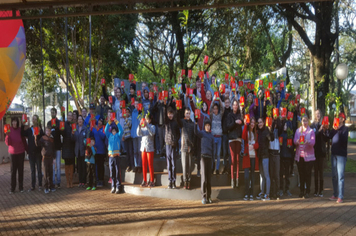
(251, 198)
(316, 194)
(152, 184)
(198, 174)
(203, 201)
(128, 169)
(144, 184)
(113, 190)
(260, 196)
(246, 198)
(170, 185)
(321, 194)
(289, 194)
(232, 183)
(88, 188)
(217, 172)
(93, 189)
(174, 185)
(53, 189)
(237, 183)
(100, 184)
(110, 181)
(209, 200)
(117, 191)
(266, 198)
(339, 200)
(46, 191)
(58, 185)
(333, 198)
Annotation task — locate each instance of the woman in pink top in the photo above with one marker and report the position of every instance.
(17, 153)
(304, 139)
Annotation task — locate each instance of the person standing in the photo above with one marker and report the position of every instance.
(56, 134)
(234, 127)
(225, 139)
(274, 158)
(100, 137)
(320, 154)
(78, 137)
(16, 148)
(339, 136)
(34, 152)
(304, 139)
(286, 156)
(68, 154)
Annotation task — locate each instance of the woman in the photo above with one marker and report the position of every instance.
(68, 153)
(16, 149)
(304, 155)
(234, 126)
(206, 96)
(78, 137)
(320, 154)
(34, 152)
(265, 136)
(147, 132)
(339, 136)
(249, 135)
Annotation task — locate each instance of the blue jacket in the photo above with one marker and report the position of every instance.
(146, 103)
(286, 152)
(79, 139)
(135, 123)
(114, 140)
(339, 140)
(207, 142)
(99, 136)
(87, 121)
(92, 157)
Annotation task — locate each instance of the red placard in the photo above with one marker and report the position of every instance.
(74, 127)
(160, 96)
(226, 76)
(267, 94)
(182, 73)
(280, 141)
(113, 116)
(336, 123)
(256, 102)
(163, 81)
(302, 111)
(63, 109)
(92, 124)
(88, 141)
(247, 118)
(269, 121)
(179, 104)
(241, 83)
(123, 113)
(252, 87)
(142, 123)
(242, 101)
(110, 100)
(151, 95)
(139, 93)
(131, 77)
(139, 106)
(222, 88)
(53, 122)
(103, 82)
(132, 101)
(282, 84)
(260, 82)
(61, 125)
(289, 142)
(36, 131)
(287, 96)
(298, 97)
(301, 139)
(325, 121)
(236, 73)
(165, 94)
(197, 114)
(7, 128)
(284, 112)
(24, 118)
(206, 59)
(201, 74)
(233, 87)
(275, 112)
(270, 86)
(207, 75)
(190, 74)
(155, 88)
(290, 115)
(122, 84)
(216, 94)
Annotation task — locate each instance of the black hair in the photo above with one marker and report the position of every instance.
(80, 116)
(54, 109)
(38, 120)
(186, 109)
(207, 107)
(17, 121)
(207, 122)
(170, 110)
(114, 128)
(84, 108)
(197, 79)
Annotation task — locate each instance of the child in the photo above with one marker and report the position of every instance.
(90, 152)
(172, 134)
(47, 144)
(114, 138)
(207, 152)
(128, 140)
(187, 145)
(147, 131)
(136, 140)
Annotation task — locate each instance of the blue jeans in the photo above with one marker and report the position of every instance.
(129, 152)
(57, 166)
(265, 183)
(250, 177)
(338, 164)
(137, 152)
(226, 150)
(36, 162)
(114, 165)
(171, 163)
(217, 150)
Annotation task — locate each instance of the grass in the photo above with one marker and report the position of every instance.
(350, 166)
(352, 140)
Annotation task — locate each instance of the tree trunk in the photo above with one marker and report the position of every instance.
(312, 86)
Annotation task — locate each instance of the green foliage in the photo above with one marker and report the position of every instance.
(289, 133)
(269, 110)
(198, 102)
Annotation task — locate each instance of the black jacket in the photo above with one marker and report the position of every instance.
(47, 146)
(32, 148)
(56, 134)
(172, 132)
(234, 130)
(339, 140)
(68, 144)
(188, 137)
(320, 141)
(225, 119)
(264, 137)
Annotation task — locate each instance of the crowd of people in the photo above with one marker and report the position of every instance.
(261, 124)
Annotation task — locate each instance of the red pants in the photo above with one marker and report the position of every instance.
(235, 149)
(149, 156)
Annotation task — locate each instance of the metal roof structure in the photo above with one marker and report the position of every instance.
(57, 8)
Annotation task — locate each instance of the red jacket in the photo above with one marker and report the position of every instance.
(246, 157)
(203, 96)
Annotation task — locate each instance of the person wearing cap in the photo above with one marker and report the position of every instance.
(99, 136)
(102, 109)
(339, 136)
(88, 118)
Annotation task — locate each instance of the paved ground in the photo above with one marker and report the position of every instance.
(76, 211)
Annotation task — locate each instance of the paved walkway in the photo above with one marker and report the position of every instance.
(80, 212)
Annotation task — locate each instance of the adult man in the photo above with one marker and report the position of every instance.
(102, 109)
